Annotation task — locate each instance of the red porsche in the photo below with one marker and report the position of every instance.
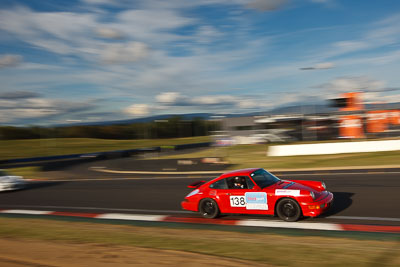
(256, 191)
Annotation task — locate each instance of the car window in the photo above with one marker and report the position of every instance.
(237, 182)
(264, 178)
(220, 184)
(250, 184)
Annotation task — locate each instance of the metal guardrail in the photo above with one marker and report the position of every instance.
(99, 155)
(195, 145)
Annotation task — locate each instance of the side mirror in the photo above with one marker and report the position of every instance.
(256, 188)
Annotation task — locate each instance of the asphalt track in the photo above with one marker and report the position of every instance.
(360, 197)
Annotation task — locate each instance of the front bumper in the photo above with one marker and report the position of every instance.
(313, 209)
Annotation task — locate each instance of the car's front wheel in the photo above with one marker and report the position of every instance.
(208, 208)
(288, 210)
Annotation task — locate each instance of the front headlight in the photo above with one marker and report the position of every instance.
(312, 195)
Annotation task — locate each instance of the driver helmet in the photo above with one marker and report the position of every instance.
(238, 181)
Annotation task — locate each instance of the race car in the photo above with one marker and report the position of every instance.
(10, 182)
(257, 191)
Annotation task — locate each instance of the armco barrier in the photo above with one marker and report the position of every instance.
(83, 155)
(60, 160)
(195, 145)
(334, 148)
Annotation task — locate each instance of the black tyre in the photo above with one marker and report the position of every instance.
(208, 208)
(288, 210)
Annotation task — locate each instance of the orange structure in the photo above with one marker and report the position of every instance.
(351, 126)
(377, 121)
(353, 101)
(394, 117)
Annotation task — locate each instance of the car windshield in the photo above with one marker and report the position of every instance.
(264, 178)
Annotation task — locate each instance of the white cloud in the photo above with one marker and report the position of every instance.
(138, 110)
(169, 98)
(350, 46)
(57, 32)
(267, 5)
(22, 105)
(385, 31)
(100, 2)
(124, 53)
(370, 87)
(26, 108)
(356, 84)
(324, 65)
(18, 95)
(215, 102)
(9, 60)
(25, 113)
(207, 34)
(246, 104)
(151, 20)
(26, 23)
(109, 33)
(378, 36)
(320, 66)
(321, 1)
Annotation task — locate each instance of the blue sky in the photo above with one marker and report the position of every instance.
(99, 60)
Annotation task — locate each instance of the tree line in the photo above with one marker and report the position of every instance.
(173, 127)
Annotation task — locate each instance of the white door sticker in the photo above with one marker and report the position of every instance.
(287, 192)
(238, 201)
(256, 201)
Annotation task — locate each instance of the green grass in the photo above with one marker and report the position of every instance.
(241, 156)
(26, 172)
(275, 249)
(11, 149)
(248, 156)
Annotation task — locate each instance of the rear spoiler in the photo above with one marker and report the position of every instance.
(196, 184)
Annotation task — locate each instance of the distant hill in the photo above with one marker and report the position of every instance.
(190, 116)
(295, 109)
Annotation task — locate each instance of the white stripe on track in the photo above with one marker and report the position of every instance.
(294, 225)
(131, 217)
(365, 218)
(173, 212)
(99, 209)
(29, 212)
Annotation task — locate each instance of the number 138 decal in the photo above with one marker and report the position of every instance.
(238, 201)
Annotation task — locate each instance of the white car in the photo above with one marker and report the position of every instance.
(10, 182)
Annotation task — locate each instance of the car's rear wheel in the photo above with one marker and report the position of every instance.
(288, 210)
(208, 208)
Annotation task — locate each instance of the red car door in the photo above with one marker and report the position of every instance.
(233, 199)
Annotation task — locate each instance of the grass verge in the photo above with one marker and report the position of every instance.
(249, 156)
(12, 149)
(275, 249)
(26, 172)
